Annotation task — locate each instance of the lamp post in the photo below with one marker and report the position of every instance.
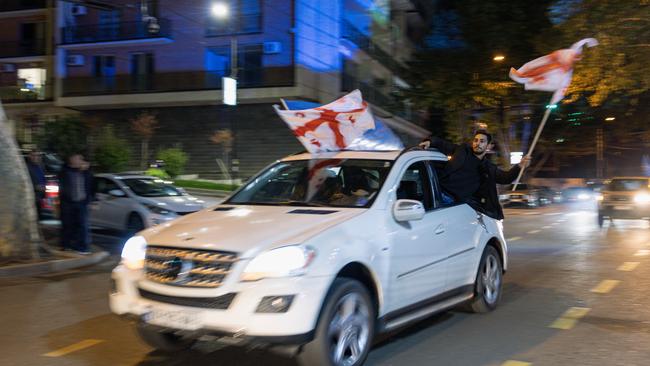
(222, 11)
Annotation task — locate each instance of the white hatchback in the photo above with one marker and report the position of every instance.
(315, 255)
(130, 202)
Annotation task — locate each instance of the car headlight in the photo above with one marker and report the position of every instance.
(600, 197)
(583, 196)
(642, 198)
(504, 196)
(133, 252)
(160, 210)
(281, 262)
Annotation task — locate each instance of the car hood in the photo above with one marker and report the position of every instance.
(247, 230)
(175, 203)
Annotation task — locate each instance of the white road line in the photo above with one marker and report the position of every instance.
(605, 286)
(642, 253)
(547, 227)
(533, 232)
(74, 347)
(628, 266)
(514, 238)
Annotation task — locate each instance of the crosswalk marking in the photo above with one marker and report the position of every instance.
(74, 347)
(628, 266)
(642, 253)
(605, 286)
(570, 318)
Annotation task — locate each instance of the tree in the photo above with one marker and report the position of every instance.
(19, 235)
(174, 161)
(144, 125)
(224, 138)
(65, 137)
(112, 153)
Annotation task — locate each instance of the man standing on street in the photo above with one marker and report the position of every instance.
(470, 178)
(75, 189)
(37, 176)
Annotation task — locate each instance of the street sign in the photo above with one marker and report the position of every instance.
(229, 91)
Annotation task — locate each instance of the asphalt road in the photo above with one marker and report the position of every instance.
(574, 295)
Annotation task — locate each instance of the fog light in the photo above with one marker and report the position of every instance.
(275, 304)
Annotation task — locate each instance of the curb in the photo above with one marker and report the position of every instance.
(57, 265)
(207, 192)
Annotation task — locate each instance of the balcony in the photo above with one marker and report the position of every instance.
(31, 48)
(243, 24)
(19, 5)
(175, 82)
(17, 94)
(114, 32)
(375, 96)
(366, 44)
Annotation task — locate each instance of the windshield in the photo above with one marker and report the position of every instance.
(628, 184)
(317, 182)
(150, 187)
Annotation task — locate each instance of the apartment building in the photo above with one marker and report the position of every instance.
(116, 59)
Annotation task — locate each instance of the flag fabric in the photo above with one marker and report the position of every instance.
(552, 72)
(345, 124)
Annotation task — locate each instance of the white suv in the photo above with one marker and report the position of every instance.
(315, 255)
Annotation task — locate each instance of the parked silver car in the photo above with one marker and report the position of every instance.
(130, 202)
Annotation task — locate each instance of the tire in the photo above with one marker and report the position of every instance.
(601, 219)
(346, 319)
(134, 224)
(166, 342)
(488, 284)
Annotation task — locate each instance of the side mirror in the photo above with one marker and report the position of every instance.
(408, 210)
(117, 193)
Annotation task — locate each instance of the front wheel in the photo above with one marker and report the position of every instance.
(345, 328)
(134, 224)
(162, 341)
(487, 287)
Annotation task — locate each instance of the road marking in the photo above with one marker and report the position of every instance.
(516, 363)
(605, 286)
(546, 227)
(515, 238)
(74, 347)
(642, 253)
(533, 232)
(628, 266)
(569, 319)
(553, 213)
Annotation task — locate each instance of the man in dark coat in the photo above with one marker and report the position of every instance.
(37, 176)
(470, 178)
(75, 192)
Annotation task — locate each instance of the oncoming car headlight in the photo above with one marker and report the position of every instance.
(281, 262)
(642, 198)
(133, 252)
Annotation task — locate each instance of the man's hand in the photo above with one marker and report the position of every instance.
(424, 144)
(525, 162)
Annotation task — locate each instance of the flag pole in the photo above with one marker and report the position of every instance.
(532, 146)
(284, 104)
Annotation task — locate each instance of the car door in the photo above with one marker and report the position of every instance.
(418, 248)
(107, 211)
(464, 227)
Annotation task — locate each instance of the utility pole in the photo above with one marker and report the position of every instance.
(599, 153)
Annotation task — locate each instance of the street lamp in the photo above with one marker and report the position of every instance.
(609, 119)
(220, 10)
(499, 58)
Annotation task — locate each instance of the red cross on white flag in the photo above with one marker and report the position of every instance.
(332, 127)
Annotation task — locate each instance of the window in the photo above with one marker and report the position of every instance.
(103, 185)
(415, 185)
(249, 64)
(142, 70)
(245, 17)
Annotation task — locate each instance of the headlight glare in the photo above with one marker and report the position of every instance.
(281, 262)
(642, 198)
(133, 252)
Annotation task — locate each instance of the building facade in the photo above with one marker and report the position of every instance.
(113, 60)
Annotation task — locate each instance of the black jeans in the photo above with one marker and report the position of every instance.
(75, 233)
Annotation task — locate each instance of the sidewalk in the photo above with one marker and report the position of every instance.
(53, 260)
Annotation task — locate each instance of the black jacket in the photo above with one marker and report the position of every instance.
(487, 194)
(65, 184)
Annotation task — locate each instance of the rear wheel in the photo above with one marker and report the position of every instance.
(487, 287)
(163, 341)
(134, 224)
(345, 328)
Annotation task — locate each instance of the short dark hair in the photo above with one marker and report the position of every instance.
(484, 132)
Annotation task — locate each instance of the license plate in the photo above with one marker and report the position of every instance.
(173, 319)
(622, 207)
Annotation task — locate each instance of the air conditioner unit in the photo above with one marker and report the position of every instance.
(272, 47)
(8, 68)
(75, 60)
(78, 9)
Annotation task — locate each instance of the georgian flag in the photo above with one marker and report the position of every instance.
(332, 127)
(552, 72)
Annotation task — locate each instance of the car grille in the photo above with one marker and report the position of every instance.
(188, 267)
(220, 302)
(620, 198)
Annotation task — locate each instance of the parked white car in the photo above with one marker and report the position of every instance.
(315, 255)
(130, 202)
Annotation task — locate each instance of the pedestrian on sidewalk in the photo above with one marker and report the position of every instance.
(37, 175)
(76, 192)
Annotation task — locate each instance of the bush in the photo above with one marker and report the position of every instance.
(64, 137)
(112, 153)
(174, 161)
(158, 173)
